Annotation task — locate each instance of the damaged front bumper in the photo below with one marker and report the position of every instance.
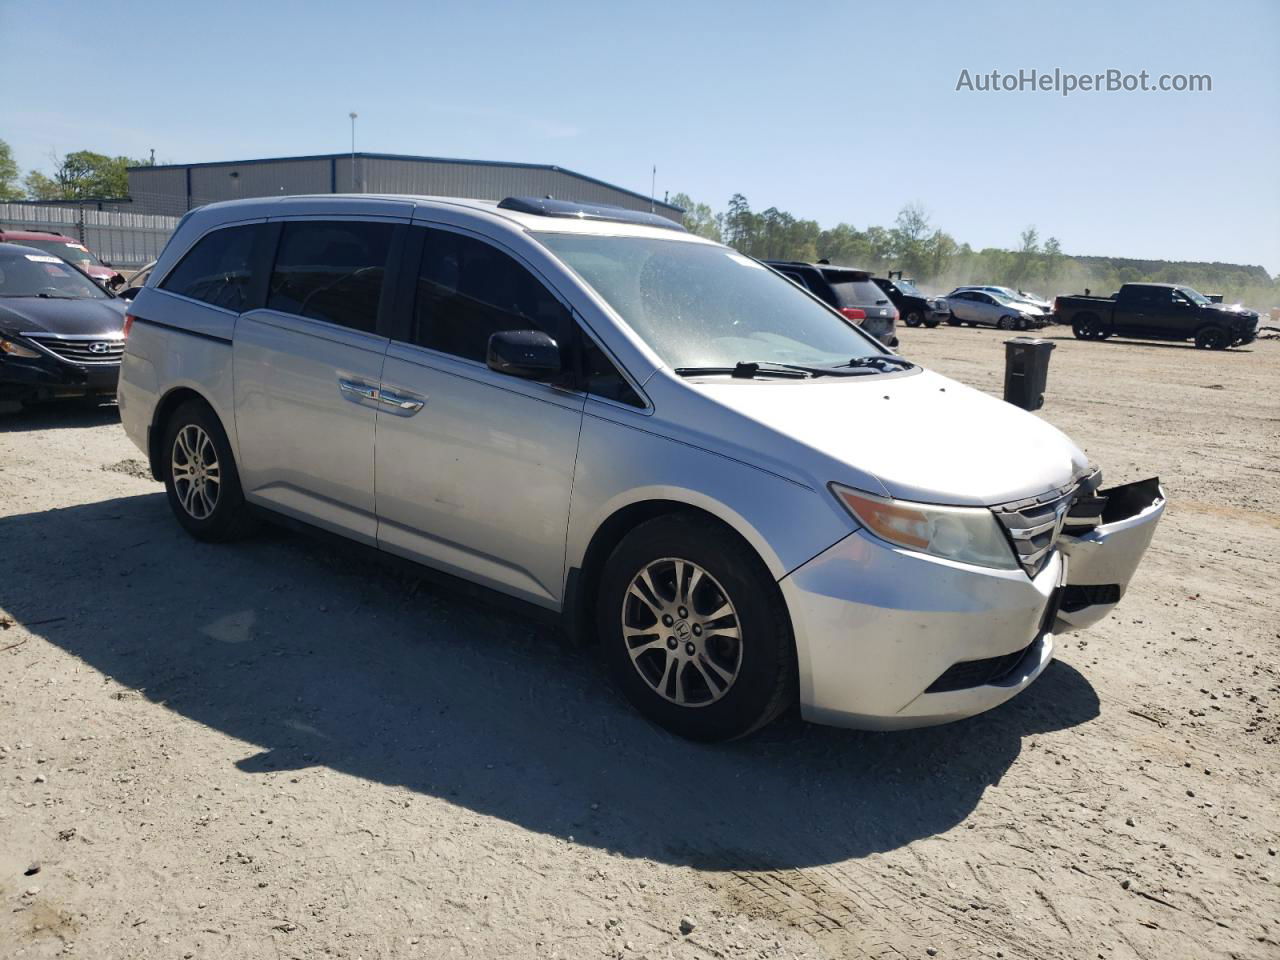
(888, 638)
(1103, 553)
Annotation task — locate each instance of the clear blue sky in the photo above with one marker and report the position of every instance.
(843, 113)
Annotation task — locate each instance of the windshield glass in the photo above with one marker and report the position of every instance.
(42, 274)
(909, 288)
(71, 252)
(1193, 296)
(703, 305)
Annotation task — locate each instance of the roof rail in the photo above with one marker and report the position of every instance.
(569, 209)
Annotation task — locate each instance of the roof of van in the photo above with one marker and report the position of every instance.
(531, 222)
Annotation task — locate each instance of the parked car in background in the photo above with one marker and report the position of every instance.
(1009, 293)
(69, 249)
(980, 308)
(136, 281)
(1158, 311)
(913, 307)
(61, 335)
(852, 292)
(742, 497)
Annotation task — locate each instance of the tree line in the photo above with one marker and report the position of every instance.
(938, 262)
(79, 175)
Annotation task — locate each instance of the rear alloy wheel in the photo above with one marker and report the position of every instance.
(200, 475)
(913, 319)
(693, 629)
(1212, 338)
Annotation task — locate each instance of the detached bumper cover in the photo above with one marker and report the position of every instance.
(1102, 561)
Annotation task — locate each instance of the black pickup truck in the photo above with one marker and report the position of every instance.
(1158, 311)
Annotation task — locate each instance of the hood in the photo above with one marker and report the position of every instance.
(1232, 309)
(84, 317)
(923, 436)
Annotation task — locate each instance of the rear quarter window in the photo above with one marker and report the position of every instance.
(217, 270)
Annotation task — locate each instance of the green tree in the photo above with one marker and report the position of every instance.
(698, 217)
(82, 175)
(9, 188)
(910, 239)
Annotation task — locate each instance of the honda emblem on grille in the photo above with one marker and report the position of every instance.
(99, 347)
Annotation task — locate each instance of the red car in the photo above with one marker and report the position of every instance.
(66, 248)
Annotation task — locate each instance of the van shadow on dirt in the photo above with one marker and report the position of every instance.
(320, 660)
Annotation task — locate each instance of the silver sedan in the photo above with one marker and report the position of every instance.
(978, 308)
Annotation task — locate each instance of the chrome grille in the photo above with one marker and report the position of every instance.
(82, 350)
(1034, 524)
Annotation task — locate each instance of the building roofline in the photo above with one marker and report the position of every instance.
(409, 156)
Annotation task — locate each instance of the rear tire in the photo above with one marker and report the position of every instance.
(694, 630)
(200, 475)
(931, 324)
(1085, 327)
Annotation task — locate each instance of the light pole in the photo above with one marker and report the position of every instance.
(353, 115)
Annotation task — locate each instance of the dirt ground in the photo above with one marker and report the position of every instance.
(273, 750)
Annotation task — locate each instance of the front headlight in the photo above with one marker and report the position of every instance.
(967, 534)
(17, 350)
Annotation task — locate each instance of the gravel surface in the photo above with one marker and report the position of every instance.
(272, 749)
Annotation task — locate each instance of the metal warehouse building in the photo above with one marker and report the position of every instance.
(173, 189)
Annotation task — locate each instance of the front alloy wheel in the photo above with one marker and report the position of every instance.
(693, 628)
(682, 632)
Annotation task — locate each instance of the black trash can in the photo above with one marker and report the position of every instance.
(1026, 371)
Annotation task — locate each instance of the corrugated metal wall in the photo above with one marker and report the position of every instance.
(125, 240)
(173, 190)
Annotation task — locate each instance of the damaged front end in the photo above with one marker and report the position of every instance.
(1104, 537)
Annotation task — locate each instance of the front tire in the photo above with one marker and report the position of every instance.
(1212, 338)
(694, 630)
(200, 475)
(913, 319)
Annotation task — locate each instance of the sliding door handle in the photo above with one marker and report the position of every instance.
(401, 403)
(356, 390)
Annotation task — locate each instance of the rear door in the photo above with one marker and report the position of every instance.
(307, 370)
(475, 468)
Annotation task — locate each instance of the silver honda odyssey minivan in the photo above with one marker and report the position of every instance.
(740, 497)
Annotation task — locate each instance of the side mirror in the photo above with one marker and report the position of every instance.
(530, 354)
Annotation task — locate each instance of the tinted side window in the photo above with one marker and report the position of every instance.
(468, 290)
(216, 269)
(603, 378)
(331, 270)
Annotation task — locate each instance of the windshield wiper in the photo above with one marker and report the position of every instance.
(746, 371)
(882, 360)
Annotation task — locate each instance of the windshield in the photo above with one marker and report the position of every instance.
(703, 305)
(71, 252)
(1193, 296)
(909, 288)
(44, 275)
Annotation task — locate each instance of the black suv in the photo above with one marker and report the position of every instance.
(850, 291)
(913, 306)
